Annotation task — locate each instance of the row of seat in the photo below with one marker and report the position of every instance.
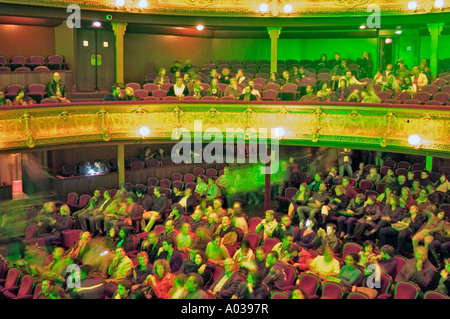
(53, 62)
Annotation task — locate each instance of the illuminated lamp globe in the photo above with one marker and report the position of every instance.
(412, 5)
(264, 7)
(414, 139)
(200, 27)
(439, 4)
(288, 8)
(144, 131)
(279, 132)
(120, 3)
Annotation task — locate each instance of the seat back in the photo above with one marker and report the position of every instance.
(253, 223)
(37, 290)
(26, 285)
(30, 233)
(279, 295)
(218, 272)
(269, 243)
(309, 283)
(188, 178)
(253, 239)
(12, 278)
(72, 198)
(84, 200)
(152, 163)
(350, 247)
(431, 294)
(406, 290)
(152, 181)
(332, 290)
(357, 295)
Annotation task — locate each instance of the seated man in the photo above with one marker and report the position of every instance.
(247, 94)
(58, 225)
(158, 206)
(269, 224)
(4, 101)
(232, 89)
(171, 254)
(226, 286)
(213, 191)
(309, 96)
(276, 278)
(225, 78)
(101, 166)
(418, 78)
(162, 78)
(418, 270)
(216, 252)
(119, 270)
(179, 89)
(197, 90)
(253, 91)
(176, 67)
(213, 74)
(56, 89)
(115, 95)
(329, 96)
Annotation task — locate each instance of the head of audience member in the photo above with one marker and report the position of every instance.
(331, 230)
(323, 86)
(309, 90)
(161, 267)
(360, 198)
(120, 253)
(351, 259)
(328, 254)
(142, 259)
(56, 77)
(274, 76)
(328, 92)
(239, 74)
(200, 258)
(337, 56)
(389, 67)
(115, 90)
(216, 240)
(214, 83)
(272, 258)
(368, 246)
(287, 240)
(310, 223)
(339, 190)
(269, 215)
(260, 253)
(286, 75)
(179, 82)
(247, 90)
(348, 75)
(169, 226)
(177, 74)
(387, 252)
(129, 91)
(114, 232)
(47, 286)
(230, 266)
(226, 72)
(152, 237)
(298, 294)
(322, 188)
(286, 221)
(342, 83)
(415, 70)
(233, 83)
(323, 57)
(193, 282)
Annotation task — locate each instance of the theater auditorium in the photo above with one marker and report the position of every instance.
(224, 149)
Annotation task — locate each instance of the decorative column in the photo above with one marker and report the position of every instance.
(435, 31)
(121, 163)
(119, 32)
(429, 163)
(274, 33)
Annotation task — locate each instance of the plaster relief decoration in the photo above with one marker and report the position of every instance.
(350, 3)
(201, 3)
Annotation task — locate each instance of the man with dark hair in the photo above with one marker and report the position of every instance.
(179, 89)
(309, 96)
(177, 215)
(171, 254)
(193, 285)
(158, 206)
(91, 287)
(47, 287)
(276, 279)
(344, 157)
(115, 94)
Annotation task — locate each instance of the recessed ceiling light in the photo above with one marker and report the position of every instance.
(200, 27)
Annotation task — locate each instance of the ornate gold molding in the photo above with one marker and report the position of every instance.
(371, 127)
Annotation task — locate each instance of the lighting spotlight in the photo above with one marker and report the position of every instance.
(279, 132)
(144, 131)
(388, 41)
(398, 31)
(439, 4)
(412, 5)
(287, 8)
(362, 26)
(264, 7)
(200, 27)
(96, 24)
(143, 4)
(120, 3)
(414, 140)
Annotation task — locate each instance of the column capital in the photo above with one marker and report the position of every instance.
(119, 28)
(436, 26)
(274, 31)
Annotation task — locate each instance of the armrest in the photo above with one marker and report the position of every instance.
(25, 297)
(384, 296)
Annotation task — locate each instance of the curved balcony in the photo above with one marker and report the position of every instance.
(364, 126)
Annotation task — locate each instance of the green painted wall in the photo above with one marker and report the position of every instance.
(241, 49)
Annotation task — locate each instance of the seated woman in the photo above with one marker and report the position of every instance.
(77, 251)
(325, 266)
(371, 215)
(112, 238)
(349, 273)
(350, 215)
(322, 89)
(315, 202)
(384, 197)
(178, 290)
(22, 98)
(185, 238)
(299, 199)
(338, 202)
(342, 92)
(392, 213)
(297, 257)
(129, 94)
(367, 256)
(201, 267)
(408, 86)
(307, 234)
(126, 240)
(216, 252)
(161, 282)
